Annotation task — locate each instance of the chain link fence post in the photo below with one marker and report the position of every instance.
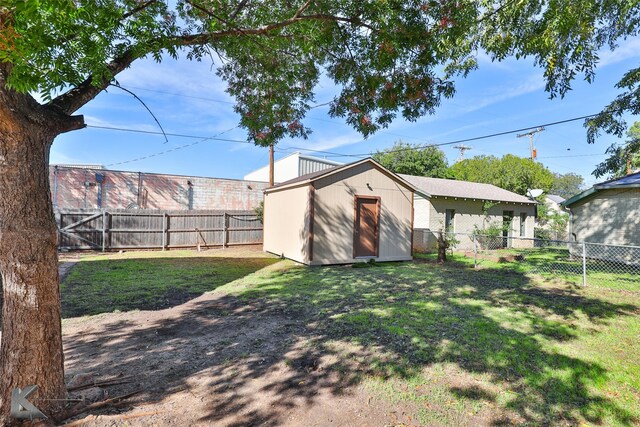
(475, 252)
(584, 264)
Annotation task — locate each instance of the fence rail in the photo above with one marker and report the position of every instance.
(150, 229)
(582, 263)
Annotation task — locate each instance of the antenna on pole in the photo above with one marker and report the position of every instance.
(530, 134)
(462, 149)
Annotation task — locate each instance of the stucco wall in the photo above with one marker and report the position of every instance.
(286, 219)
(610, 216)
(334, 215)
(468, 215)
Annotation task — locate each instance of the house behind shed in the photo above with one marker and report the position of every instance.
(340, 215)
(466, 208)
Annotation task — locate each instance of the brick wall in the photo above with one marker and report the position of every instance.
(75, 187)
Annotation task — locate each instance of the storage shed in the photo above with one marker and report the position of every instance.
(340, 215)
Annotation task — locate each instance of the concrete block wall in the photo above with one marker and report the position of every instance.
(79, 188)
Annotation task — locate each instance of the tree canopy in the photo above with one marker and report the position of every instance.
(623, 158)
(510, 172)
(567, 185)
(414, 160)
(388, 58)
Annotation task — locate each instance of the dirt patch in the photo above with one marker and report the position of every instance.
(66, 263)
(218, 361)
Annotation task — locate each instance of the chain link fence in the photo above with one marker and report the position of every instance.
(581, 263)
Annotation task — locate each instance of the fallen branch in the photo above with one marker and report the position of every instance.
(104, 383)
(97, 405)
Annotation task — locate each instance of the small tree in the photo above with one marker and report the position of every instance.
(446, 239)
(259, 211)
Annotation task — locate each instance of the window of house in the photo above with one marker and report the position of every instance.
(523, 222)
(449, 219)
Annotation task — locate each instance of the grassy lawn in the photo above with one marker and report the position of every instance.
(448, 344)
(468, 347)
(150, 280)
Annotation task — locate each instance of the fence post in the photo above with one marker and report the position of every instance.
(584, 264)
(164, 230)
(225, 227)
(104, 230)
(475, 252)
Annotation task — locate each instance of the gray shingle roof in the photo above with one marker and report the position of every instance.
(464, 189)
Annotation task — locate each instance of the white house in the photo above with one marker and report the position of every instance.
(290, 167)
(465, 207)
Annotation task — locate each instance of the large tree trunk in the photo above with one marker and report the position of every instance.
(31, 346)
(31, 341)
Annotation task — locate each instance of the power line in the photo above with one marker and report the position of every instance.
(331, 153)
(572, 155)
(180, 147)
(177, 135)
(493, 135)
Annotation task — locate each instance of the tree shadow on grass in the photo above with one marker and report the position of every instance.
(290, 338)
(107, 285)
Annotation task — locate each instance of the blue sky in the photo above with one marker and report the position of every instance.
(188, 98)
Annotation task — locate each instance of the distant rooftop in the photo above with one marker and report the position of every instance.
(438, 187)
(555, 198)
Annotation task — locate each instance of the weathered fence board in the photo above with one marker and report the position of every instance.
(148, 229)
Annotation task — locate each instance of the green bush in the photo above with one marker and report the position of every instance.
(490, 236)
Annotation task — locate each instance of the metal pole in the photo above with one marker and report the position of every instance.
(224, 231)
(104, 230)
(475, 252)
(584, 264)
(164, 231)
(271, 166)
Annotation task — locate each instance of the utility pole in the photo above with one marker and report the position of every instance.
(462, 149)
(530, 134)
(271, 165)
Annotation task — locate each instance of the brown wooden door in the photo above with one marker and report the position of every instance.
(366, 227)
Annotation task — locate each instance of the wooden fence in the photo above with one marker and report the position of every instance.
(152, 229)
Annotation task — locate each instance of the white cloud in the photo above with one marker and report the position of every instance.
(531, 84)
(627, 49)
(324, 142)
(181, 77)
